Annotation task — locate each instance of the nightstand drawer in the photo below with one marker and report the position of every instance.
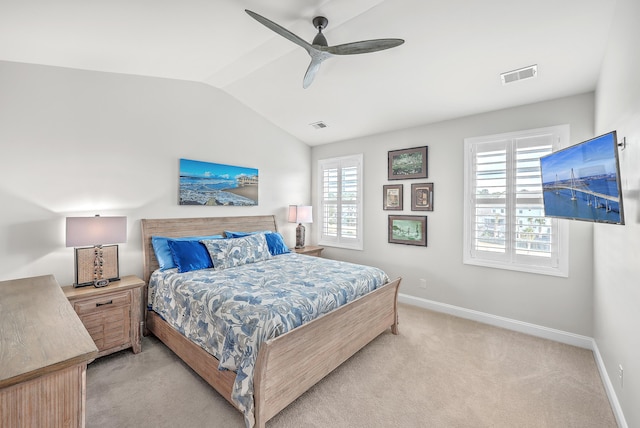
(102, 303)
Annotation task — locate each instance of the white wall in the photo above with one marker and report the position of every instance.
(561, 303)
(83, 143)
(617, 248)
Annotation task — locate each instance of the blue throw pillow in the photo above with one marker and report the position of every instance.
(189, 255)
(230, 234)
(276, 244)
(163, 254)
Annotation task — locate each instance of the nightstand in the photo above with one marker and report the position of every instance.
(112, 315)
(309, 250)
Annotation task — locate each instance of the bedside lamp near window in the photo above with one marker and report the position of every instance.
(300, 214)
(96, 265)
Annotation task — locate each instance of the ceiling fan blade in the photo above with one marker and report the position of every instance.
(311, 73)
(364, 46)
(319, 51)
(280, 30)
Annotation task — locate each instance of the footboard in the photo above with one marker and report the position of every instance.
(292, 363)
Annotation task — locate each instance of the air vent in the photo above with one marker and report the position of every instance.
(520, 74)
(318, 125)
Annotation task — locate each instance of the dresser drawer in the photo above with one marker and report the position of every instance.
(103, 303)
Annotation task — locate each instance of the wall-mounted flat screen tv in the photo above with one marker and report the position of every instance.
(582, 182)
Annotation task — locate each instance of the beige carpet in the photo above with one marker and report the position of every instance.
(441, 371)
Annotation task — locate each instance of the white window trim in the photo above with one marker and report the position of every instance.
(341, 242)
(561, 268)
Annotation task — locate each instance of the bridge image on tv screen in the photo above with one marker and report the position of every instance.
(582, 182)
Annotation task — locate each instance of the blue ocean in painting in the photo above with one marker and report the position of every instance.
(581, 182)
(207, 184)
(204, 183)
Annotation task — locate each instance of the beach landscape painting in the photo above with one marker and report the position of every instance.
(206, 183)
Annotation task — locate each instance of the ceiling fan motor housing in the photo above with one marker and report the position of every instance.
(320, 22)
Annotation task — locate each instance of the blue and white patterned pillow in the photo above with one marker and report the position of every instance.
(227, 253)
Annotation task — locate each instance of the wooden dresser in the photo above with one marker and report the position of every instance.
(44, 352)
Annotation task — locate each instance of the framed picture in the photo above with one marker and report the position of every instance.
(392, 197)
(422, 197)
(408, 229)
(407, 163)
(205, 183)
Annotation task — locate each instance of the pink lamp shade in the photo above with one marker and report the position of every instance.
(94, 231)
(300, 214)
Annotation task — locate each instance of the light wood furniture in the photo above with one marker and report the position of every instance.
(309, 250)
(44, 352)
(290, 364)
(113, 315)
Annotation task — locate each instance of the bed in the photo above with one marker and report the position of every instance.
(289, 364)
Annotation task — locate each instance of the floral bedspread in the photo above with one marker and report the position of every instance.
(230, 312)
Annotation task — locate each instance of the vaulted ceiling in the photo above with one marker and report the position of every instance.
(449, 65)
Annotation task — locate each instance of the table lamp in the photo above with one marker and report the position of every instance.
(96, 265)
(300, 214)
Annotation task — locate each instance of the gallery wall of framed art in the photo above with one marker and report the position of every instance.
(408, 164)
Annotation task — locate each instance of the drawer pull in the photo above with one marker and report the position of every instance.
(105, 303)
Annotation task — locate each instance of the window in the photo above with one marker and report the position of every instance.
(504, 222)
(340, 194)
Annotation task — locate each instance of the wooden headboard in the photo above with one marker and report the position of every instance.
(177, 227)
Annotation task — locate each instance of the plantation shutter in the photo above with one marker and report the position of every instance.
(489, 191)
(340, 181)
(505, 224)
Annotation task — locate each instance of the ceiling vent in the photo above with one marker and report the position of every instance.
(520, 74)
(318, 125)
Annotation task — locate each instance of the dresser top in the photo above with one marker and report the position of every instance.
(39, 330)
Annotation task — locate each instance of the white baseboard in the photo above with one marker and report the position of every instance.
(608, 387)
(527, 328)
(498, 321)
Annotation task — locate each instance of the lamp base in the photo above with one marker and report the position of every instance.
(95, 264)
(300, 231)
(84, 284)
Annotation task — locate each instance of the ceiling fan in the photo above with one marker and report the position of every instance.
(319, 50)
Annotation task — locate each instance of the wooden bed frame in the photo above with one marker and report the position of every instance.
(290, 364)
